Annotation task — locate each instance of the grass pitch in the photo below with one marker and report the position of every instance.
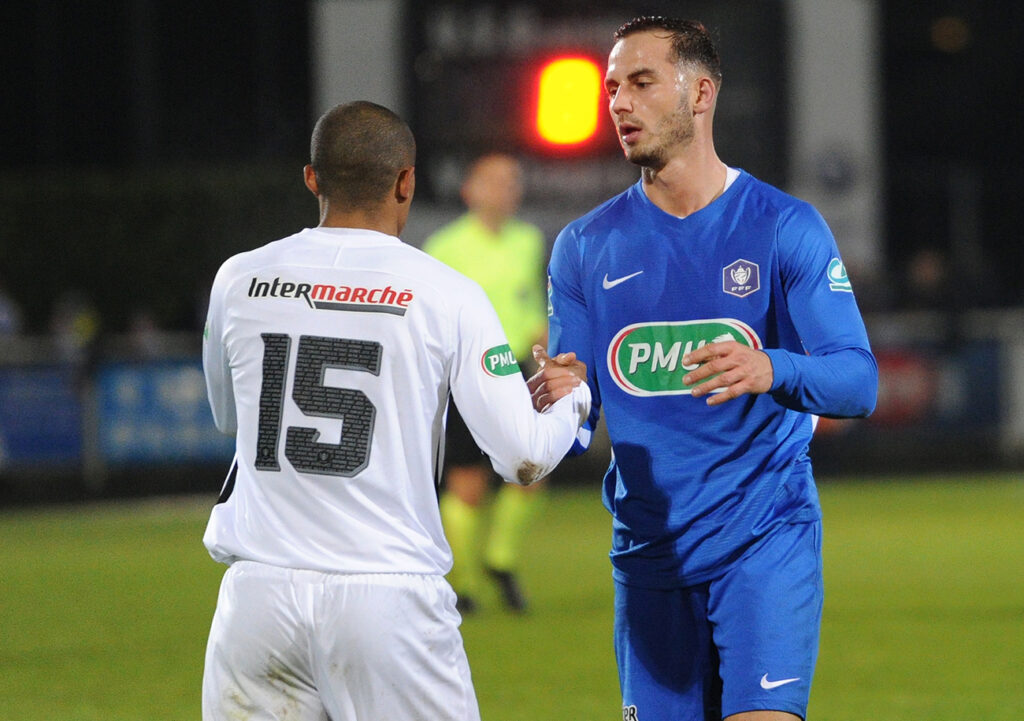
(105, 609)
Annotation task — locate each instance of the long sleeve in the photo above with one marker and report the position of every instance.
(523, 445)
(837, 376)
(569, 324)
(215, 362)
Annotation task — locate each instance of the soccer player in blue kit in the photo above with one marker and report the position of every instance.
(717, 319)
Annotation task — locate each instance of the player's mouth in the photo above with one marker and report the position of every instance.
(629, 133)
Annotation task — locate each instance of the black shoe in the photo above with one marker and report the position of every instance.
(511, 593)
(466, 605)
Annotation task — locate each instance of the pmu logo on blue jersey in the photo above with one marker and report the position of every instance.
(646, 359)
(837, 278)
(741, 278)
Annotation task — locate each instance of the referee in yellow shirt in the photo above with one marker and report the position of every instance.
(506, 256)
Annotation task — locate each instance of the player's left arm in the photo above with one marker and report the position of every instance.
(569, 326)
(837, 375)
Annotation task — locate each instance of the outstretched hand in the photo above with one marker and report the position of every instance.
(555, 377)
(741, 370)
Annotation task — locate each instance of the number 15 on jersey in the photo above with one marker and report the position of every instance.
(315, 355)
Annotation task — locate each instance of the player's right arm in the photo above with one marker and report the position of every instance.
(523, 445)
(219, 387)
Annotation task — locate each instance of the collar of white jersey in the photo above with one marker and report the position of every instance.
(351, 236)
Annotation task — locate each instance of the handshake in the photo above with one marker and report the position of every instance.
(555, 377)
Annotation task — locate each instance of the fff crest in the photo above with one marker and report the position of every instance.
(741, 278)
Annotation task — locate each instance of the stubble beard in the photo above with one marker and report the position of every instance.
(672, 133)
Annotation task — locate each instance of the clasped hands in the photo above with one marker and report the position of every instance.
(555, 377)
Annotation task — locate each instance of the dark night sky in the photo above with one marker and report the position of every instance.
(137, 81)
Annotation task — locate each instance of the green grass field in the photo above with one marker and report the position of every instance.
(105, 609)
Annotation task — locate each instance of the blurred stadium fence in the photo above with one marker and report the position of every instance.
(125, 422)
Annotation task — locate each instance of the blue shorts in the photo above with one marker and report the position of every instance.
(746, 641)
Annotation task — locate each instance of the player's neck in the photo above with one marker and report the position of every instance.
(686, 184)
(382, 222)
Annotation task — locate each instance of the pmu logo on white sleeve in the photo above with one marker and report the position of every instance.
(499, 361)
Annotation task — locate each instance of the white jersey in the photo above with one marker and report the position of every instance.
(330, 355)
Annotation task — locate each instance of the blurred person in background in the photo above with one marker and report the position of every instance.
(330, 355)
(10, 313)
(144, 335)
(506, 256)
(10, 326)
(930, 284)
(75, 325)
(927, 284)
(716, 315)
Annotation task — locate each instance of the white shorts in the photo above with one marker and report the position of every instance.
(305, 646)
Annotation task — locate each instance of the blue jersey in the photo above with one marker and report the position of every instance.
(632, 290)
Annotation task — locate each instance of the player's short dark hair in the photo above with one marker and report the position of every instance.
(357, 150)
(691, 41)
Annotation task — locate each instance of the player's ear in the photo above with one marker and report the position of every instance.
(405, 184)
(704, 93)
(309, 176)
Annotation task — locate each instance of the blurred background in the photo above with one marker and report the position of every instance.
(146, 141)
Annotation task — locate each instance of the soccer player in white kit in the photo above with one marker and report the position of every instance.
(330, 355)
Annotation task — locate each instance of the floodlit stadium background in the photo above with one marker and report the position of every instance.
(153, 139)
(148, 140)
